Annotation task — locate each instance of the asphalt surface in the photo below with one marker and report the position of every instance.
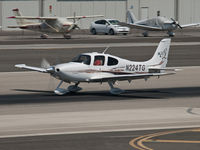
(107, 141)
(32, 117)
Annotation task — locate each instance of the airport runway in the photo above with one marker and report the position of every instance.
(32, 116)
(158, 114)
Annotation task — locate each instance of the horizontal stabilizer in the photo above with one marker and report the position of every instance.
(128, 77)
(165, 69)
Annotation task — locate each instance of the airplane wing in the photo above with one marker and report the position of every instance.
(31, 17)
(190, 25)
(53, 18)
(24, 26)
(23, 66)
(143, 27)
(81, 17)
(128, 77)
(19, 26)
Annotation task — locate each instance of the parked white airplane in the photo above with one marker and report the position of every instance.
(101, 67)
(155, 24)
(60, 25)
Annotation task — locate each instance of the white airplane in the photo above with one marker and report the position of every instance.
(155, 24)
(101, 67)
(60, 25)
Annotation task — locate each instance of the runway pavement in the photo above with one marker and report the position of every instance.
(149, 115)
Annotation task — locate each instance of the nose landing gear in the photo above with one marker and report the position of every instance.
(71, 88)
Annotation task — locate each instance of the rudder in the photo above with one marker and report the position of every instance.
(160, 57)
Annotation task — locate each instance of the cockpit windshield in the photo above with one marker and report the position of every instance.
(86, 59)
(114, 22)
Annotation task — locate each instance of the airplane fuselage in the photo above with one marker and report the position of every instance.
(86, 72)
(159, 22)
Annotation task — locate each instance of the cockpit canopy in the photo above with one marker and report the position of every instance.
(96, 60)
(86, 59)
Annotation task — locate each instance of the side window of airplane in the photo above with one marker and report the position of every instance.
(112, 61)
(99, 60)
(86, 59)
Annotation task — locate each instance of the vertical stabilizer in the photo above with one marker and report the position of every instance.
(160, 57)
(16, 12)
(131, 17)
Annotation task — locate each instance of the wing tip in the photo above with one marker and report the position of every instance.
(20, 65)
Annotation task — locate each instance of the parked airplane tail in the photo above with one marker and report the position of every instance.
(131, 17)
(160, 58)
(16, 12)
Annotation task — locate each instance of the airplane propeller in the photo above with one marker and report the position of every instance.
(46, 65)
(51, 69)
(176, 23)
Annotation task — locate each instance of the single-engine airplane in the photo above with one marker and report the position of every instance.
(102, 67)
(60, 25)
(154, 24)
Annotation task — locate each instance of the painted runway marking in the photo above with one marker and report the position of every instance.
(138, 142)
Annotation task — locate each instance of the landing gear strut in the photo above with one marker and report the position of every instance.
(113, 90)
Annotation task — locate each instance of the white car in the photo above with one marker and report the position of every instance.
(108, 26)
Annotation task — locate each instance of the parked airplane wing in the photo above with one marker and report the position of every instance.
(20, 26)
(23, 66)
(81, 17)
(36, 18)
(25, 25)
(128, 77)
(143, 27)
(189, 25)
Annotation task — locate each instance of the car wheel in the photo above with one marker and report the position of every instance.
(124, 33)
(111, 32)
(93, 31)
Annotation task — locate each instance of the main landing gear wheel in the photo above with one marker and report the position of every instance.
(115, 91)
(67, 36)
(145, 34)
(171, 34)
(43, 36)
(74, 88)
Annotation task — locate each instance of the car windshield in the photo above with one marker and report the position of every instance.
(82, 59)
(114, 22)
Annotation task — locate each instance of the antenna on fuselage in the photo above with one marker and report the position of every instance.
(106, 49)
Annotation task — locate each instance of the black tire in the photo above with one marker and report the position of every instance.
(93, 31)
(124, 33)
(111, 32)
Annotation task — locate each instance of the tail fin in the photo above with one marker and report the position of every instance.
(131, 17)
(160, 57)
(16, 12)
